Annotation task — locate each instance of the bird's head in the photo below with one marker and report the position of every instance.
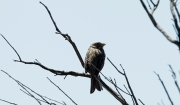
(98, 45)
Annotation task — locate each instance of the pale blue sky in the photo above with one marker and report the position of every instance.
(130, 37)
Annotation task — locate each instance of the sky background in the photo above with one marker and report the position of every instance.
(130, 37)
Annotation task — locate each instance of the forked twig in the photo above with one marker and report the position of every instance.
(124, 74)
(157, 25)
(27, 92)
(66, 36)
(129, 86)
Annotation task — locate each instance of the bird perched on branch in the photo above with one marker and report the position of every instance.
(94, 63)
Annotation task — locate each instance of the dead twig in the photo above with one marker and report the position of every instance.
(12, 47)
(129, 86)
(66, 36)
(164, 88)
(27, 92)
(150, 14)
(8, 102)
(174, 77)
(62, 91)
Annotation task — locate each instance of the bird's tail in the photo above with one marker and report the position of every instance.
(95, 84)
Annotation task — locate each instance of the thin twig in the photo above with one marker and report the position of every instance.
(155, 7)
(172, 4)
(175, 30)
(148, 4)
(115, 66)
(66, 36)
(130, 95)
(8, 102)
(62, 91)
(53, 100)
(22, 85)
(129, 86)
(116, 87)
(56, 72)
(177, 11)
(141, 102)
(158, 26)
(11, 47)
(175, 78)
(119, 98)
(152, 3)
(164, 88)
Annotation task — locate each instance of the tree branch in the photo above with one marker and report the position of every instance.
(12, 47)
(157, 25)
(62, 91)
(164, 88)
(66, 36)
(27, 92)
(175, 78)
(8, 102)
(129, 86)
(56, 72)
(172, 6)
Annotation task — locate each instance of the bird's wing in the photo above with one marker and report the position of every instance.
(100, 62)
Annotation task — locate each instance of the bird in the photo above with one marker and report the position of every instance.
(94, 62)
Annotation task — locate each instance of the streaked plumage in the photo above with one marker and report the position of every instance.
(94, 63)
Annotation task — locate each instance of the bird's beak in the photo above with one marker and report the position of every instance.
(103, 44)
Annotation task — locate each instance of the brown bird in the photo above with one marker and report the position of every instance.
(94, 63)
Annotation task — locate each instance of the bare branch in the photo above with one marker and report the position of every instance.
(129, 86)
(175, 30)
(175, 78)
(11, 47)
(62, 91)
(164, 88)
(152, 3)
(32, 97)
(172, 4)
(54, 100)
(27, 92)
(115, 67)
(130, 95)
(66, 36)
(119, 98)
(155, 6)
(158, 26)
(20, 84)
(149, 4)
(116, 87)
(56, 72)
(177, 11)
(8, 102)
(141, 102)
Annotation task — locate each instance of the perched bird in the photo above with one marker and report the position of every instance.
(94, 63)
